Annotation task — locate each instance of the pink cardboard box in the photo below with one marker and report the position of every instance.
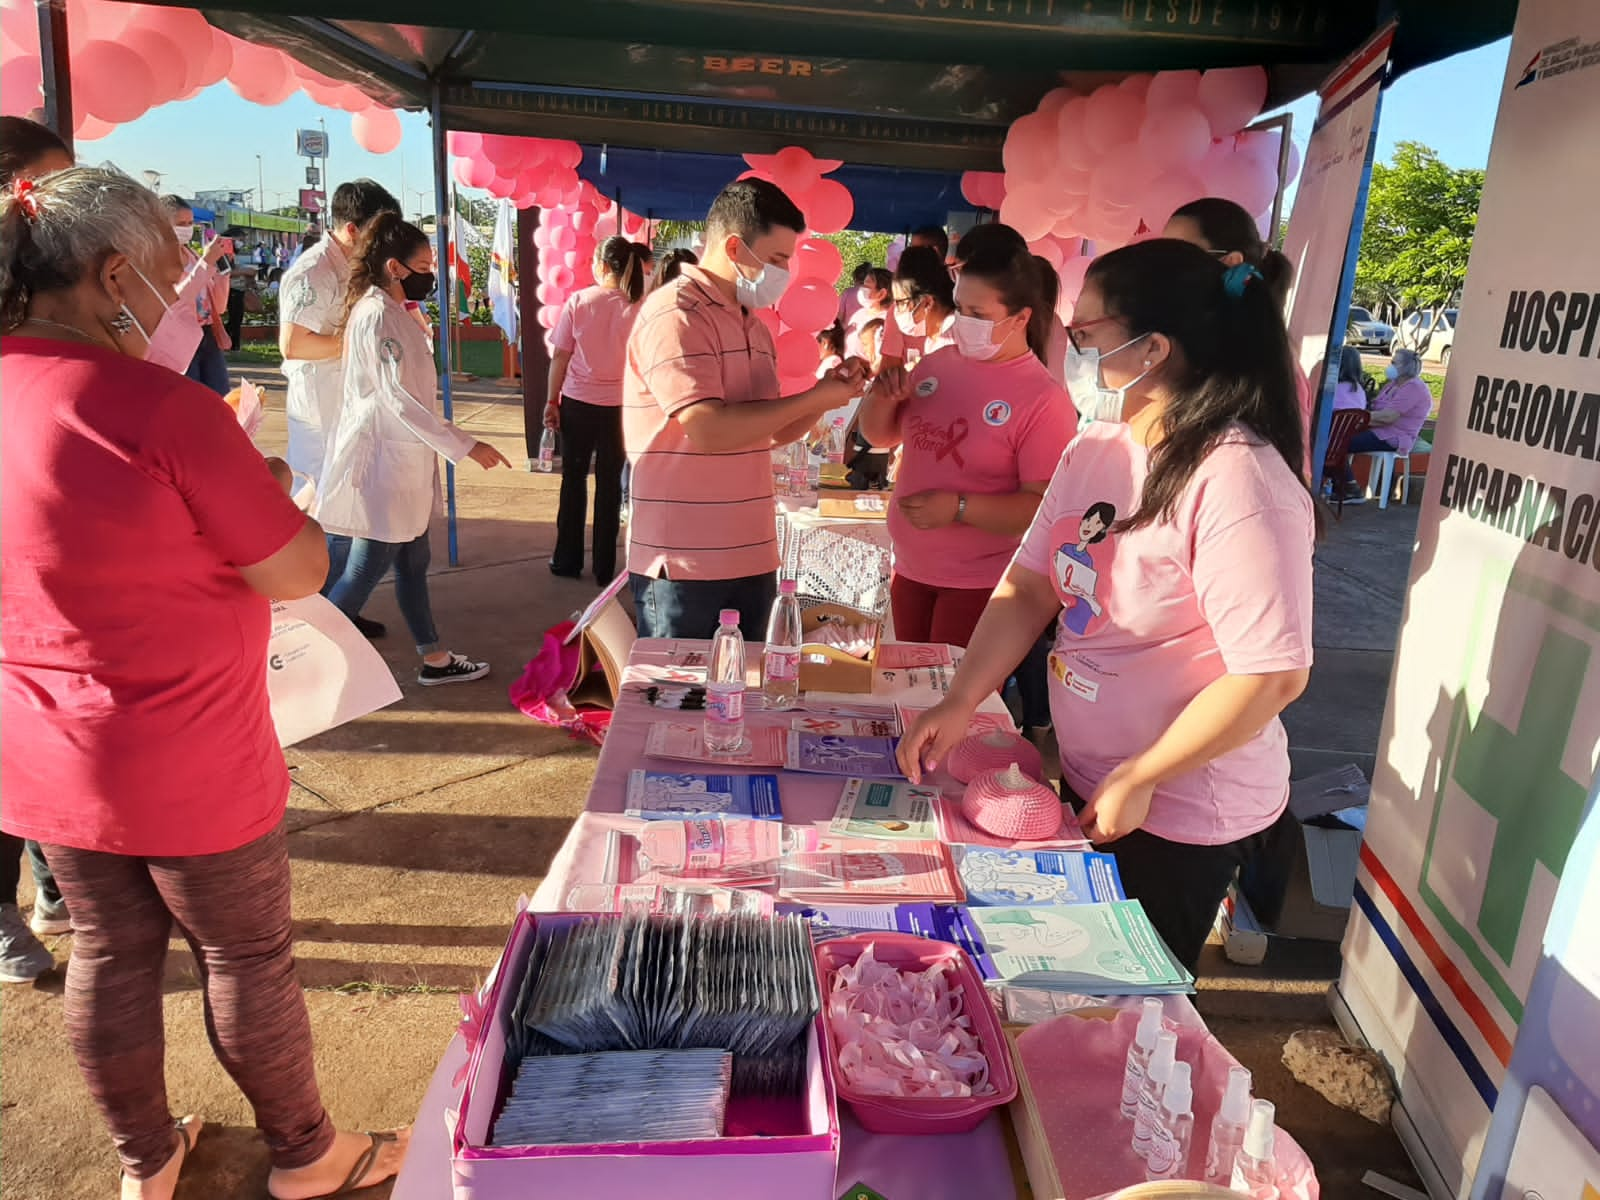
(795, 1163)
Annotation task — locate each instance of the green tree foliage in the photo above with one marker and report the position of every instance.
(1421, 214)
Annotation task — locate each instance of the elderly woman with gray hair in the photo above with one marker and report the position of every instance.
(141, 535)
(1398, 412)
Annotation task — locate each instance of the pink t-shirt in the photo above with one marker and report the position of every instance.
(697, 514)
(1152, 617)
(133, 655)
(1413, 401)
(980, 428)
(593, 328)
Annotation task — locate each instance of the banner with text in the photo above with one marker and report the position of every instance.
(1492, 734)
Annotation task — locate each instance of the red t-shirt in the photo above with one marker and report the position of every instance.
(133, 693)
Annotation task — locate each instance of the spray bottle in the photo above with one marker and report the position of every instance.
(1155, 1079)
(1169, 1147)
(1227, 1127)
(1139, 1051)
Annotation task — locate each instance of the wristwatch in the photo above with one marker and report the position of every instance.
(961, 508)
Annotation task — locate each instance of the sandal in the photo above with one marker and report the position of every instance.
(355, 1180)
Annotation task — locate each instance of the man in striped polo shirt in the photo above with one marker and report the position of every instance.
(701, 413)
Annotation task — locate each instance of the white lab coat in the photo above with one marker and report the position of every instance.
(381, 477)
(312, 295)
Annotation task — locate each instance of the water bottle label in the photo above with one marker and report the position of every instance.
(703, 844)
(725, 707)
(783, 665)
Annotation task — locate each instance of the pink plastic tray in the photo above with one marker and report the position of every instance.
(887, 1114)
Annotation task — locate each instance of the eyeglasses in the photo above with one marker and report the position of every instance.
(1074, 330)
(906, 303)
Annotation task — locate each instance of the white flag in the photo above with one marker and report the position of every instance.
(503, 273)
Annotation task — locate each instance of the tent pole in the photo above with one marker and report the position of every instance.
(57, 68)
(442, 220)
(535, 357)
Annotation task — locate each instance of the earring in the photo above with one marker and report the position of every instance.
(1147, 362)
(122, 322)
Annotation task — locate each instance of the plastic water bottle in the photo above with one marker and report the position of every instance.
(547, 451)
(836, 441)
(780, 661)
(1139, 1051)
(798, 469)
(1227, 1127)
(1255, 1167)
(1155, 1079)
(725, 687)
(1169, 1148)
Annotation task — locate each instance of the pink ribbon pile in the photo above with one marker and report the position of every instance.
(904, 1033)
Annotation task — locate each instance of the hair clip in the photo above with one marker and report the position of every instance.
(1237, 277)
(22, 191)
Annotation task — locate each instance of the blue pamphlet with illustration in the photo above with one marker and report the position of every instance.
(677, 796)
(1009, 877)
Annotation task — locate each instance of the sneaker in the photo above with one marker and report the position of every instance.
(371, 630)
(459, 669)
(23, 957)
(50, 918)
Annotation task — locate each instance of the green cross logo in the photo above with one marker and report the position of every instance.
(1515, 777)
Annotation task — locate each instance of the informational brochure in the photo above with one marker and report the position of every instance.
(661, 795)
(321, 673)
(1099, 949)
(685, 741)
(1027, 877)
(837, 754)
(880, 809)
(849, 870)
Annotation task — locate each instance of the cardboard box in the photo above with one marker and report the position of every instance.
(828, 668)
(797, 1166)
(859, 506)
(1303, 883)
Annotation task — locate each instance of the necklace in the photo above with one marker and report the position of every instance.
(72, 329)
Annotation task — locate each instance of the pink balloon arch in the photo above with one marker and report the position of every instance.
(1112, 166)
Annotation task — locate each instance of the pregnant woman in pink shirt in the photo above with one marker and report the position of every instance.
(1175, 540)
(982, 425)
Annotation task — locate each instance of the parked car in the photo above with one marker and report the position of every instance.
(1366, 333)
(1428, 338)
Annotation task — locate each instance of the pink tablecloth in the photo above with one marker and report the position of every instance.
(929, 1168)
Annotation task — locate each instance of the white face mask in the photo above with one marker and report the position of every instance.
(910, 324)
(173, 341)
(974, 337)
(863, 297)
(765, 289)
(1391, 372)
(184, 234)
(1085, 384)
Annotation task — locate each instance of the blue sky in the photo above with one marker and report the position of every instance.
(213, 141)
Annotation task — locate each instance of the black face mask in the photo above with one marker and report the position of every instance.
(418, 285)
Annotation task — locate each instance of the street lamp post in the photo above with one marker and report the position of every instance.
(261, 185)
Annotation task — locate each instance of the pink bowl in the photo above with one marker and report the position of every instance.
(1008, 804)
(993, 751)
(888, 1114)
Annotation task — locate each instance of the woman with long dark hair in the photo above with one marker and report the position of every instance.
(585, 404)
(1175, 543)
(981, 425)
(922, 307)
(380, 477)
(1223, 229)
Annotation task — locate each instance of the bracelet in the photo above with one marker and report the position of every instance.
(961, 508)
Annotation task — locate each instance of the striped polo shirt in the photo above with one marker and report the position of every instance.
(697, 514)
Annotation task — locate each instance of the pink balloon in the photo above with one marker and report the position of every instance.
(463, 144)
(1231, 97)
(562, 237)
(1048, 249)
(1073, 149)
(541, 236)
(769, 318)
(261, 74)
(376, 131)
(580, 219)
(112, 82)
(569, 258)
(1053, 101)
(1137, 85)
(501, 188)
(798, 354)
(174, 71)
(504, 152)
(1168, 193)
(89, 129)
(605, 225)
(1170, 89)
(809, 305)
(1026, 210)
(1293, 168)
(1067, 184)
(566, 154)
(562, 277)
(96, 20)
(1029, 143)
(20, 25)
(549, 314)
(546, 293)
(795, 163)
(828, 206)
(462, 170)
(817, 259)
(1112, 118)
(973, 187)
(1069, 227)
(21, 86)
(524, 200)
(1175, 137)
(1121, 178)
(216, 58)
(1245, 181)
(549, 195)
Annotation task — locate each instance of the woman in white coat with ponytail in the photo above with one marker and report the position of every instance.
(380, 482)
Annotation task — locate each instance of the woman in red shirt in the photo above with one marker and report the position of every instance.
(141, 535)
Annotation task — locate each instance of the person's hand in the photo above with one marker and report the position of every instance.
(1119, 806)
(223, 339)
(854, 373)
(217, 248)
(552, 415)
(929, 510)
(892, 386)
(486, 456)
(931, 736)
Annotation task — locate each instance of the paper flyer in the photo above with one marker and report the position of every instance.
(863, 869)
(876, 727)
(833, 754)
(685, 741)
(1025, 877)
(659, 795)
(1101, 949)
(878, 809)
(941, 922)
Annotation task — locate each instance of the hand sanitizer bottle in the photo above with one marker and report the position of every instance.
(1169, 1147)
(1155, 1079)
(1227, 1128)
(1139, 1051)
(1255, 1167)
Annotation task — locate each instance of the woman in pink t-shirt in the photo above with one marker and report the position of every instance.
(981, 425)
(585, 404)
(142, 536)
(1175, 543)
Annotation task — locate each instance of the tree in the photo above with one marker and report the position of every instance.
(1421, 215)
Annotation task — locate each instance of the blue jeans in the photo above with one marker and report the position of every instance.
(362, 566)
(1365, 442)
(209, 366)
(689, 608)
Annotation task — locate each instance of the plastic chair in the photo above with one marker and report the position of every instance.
(1382, 474)
(1347, 422)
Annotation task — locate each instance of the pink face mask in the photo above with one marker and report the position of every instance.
(176, 336)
